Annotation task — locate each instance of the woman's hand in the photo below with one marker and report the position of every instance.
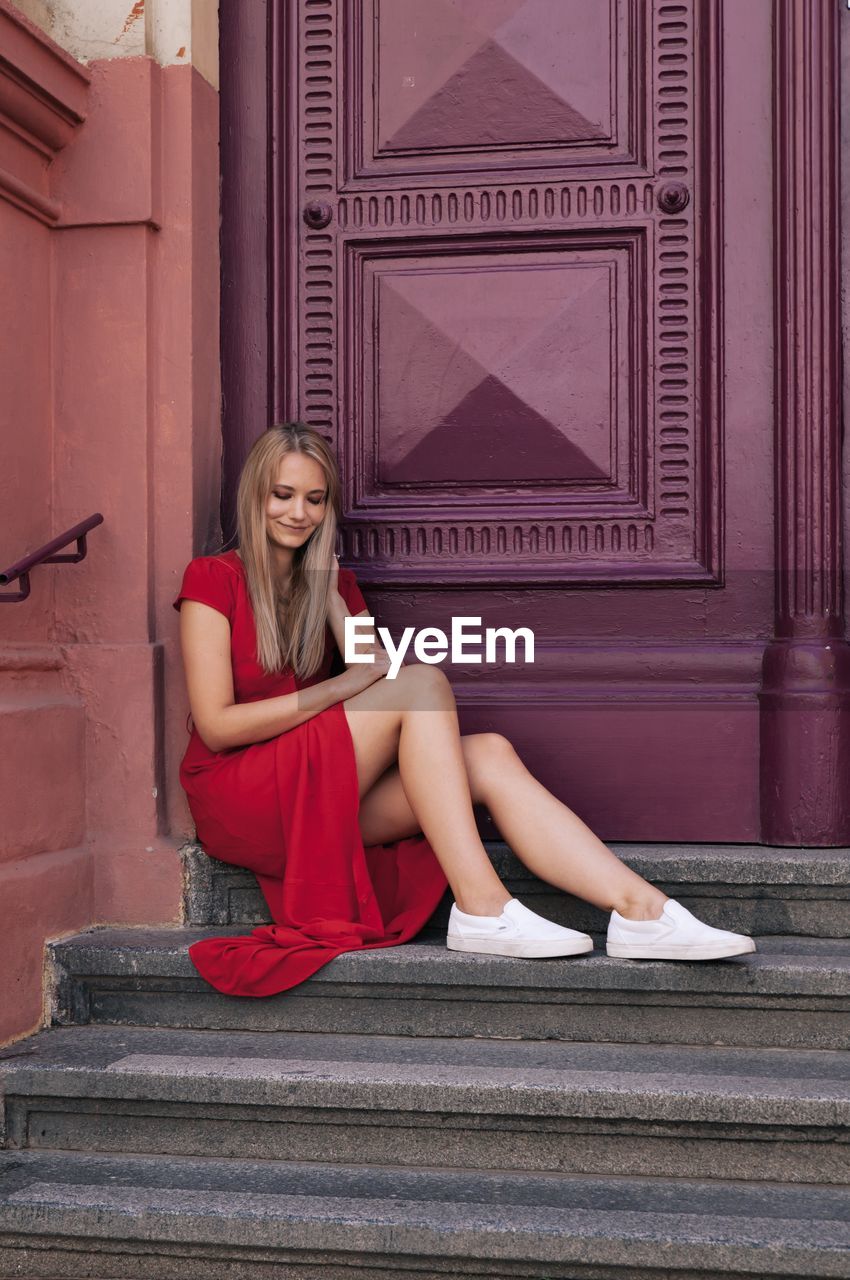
(359, 675)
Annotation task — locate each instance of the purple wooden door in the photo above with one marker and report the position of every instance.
(498, 256)
(520, 269)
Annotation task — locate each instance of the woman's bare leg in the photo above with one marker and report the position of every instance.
(552, 840)
(385, 812)
(427, 792)
(413, 719)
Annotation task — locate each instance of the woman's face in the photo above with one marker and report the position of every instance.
(297, 502)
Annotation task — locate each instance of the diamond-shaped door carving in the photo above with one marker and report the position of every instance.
(487, 373)
(492, 83)
(511, 376)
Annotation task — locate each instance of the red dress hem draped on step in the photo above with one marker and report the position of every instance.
(287, 809)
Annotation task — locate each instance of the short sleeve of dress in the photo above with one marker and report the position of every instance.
(351, 593)
(211, 582)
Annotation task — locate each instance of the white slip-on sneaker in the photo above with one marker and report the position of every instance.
(516, 932)
(677, 935)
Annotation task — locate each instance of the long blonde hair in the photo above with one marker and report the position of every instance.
(290, 633)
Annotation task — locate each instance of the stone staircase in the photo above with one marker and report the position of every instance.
(420, 1112)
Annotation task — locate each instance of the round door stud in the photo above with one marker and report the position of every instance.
(317, 213)
(672, 197)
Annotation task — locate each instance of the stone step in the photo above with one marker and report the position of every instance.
(72, 1215)
(756, 889)
(793, 991)
(535, 1106)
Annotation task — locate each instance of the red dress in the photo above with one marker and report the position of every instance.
(287, 808)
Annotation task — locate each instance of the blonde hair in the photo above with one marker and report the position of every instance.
(290, 633)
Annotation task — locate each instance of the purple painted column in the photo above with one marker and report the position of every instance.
(805, 694)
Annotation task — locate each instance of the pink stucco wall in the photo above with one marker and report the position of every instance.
(109, 367)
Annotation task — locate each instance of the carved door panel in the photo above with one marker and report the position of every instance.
(498, 244)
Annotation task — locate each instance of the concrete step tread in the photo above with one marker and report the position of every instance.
(782, 966)
(457, 1075)
(768, 1229)
(739, 864)
(735, 863)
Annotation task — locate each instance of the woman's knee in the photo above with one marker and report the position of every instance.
(423, 685)
(489, 757)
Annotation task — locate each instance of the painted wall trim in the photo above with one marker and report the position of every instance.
(43, 88)
(43, 95)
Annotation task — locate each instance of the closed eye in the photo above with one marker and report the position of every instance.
(316, 501)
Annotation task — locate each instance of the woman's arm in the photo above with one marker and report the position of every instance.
(220, 720)
(338, 611)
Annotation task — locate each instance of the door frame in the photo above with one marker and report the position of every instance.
(805, 693)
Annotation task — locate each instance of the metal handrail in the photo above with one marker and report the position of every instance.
(44, 555)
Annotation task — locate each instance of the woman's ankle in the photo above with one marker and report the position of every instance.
(642, 906)
(479, 906)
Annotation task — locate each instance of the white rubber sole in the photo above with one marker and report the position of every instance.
(528, 948)
(692, 951)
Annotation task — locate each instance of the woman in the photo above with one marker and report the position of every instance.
(323, 785)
